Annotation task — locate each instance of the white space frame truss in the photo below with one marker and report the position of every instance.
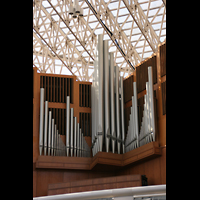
(66, 45)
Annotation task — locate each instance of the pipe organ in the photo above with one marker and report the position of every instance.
(108, 129)
(50, 142)
(105, 97)
(136, 138)
(107, 102)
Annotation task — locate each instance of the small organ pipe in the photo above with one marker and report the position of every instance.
(49, 134)
(41, 120)
(45, 127)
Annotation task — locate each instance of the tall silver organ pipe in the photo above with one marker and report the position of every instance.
(67, 124)
(152, 117)
(72, 132)
(112, 102)
(52, 137)
(100, 127)
(122, 113)
(117, 108)
(54, 146)
(41, 120)
(135, 112)
(78, 141)
(45, 127)
(49, 134)
(106, 94)
(75, 135)
(57, 144)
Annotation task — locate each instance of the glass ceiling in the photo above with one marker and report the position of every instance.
(66, 45)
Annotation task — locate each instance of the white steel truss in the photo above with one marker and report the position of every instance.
(66, 45)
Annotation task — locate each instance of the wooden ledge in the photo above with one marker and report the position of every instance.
(144, 152)
(62, 162)
(95, 184)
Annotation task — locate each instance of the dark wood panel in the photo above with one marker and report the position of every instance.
(128, 88)
(85, 123)
(163, 59)
(142, 73)
(140, 110)
(85, 95)
(57, 88)
(95, 184)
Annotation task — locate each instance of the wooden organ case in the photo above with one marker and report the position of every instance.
(49, 171)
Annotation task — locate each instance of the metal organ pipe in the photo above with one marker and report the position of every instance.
(112, 102)
(106, 96)
(78, 141)
(45, 127)
(54, 146)
(72, 132)
(117, 108)
(100, 90)
(75, 134)
(52, 137)
(49, 134)
(52, 142)
(41, 120)
(122, 113)
(151, 99)
(135, 111)
(67, 124)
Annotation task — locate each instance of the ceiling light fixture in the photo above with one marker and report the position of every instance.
(75, 9)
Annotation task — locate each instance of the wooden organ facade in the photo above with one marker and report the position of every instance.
(51, 172)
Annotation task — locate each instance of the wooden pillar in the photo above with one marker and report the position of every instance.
(161, 133)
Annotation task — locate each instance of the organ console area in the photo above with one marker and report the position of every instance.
(110, 127)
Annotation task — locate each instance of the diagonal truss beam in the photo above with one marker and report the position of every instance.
(81, 43)
(58, 29)
(35, 29)
(115, 34)
(143, 24)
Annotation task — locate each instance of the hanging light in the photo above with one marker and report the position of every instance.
(75, 9)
